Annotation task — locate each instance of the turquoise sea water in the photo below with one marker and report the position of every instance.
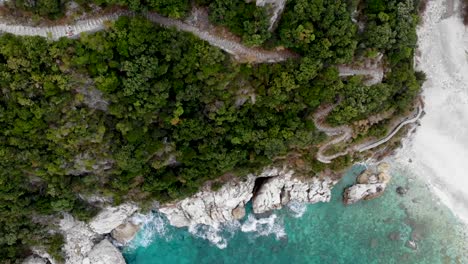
(369, 232)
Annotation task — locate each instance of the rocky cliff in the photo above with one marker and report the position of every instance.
(280, 190)
(81, 238)
(273, 188)
(269, 190)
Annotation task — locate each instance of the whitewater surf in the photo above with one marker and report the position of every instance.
(438, 150)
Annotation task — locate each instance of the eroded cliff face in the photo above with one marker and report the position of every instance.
(273, 188)
(280, 190)
(81, 238)
(269, 190)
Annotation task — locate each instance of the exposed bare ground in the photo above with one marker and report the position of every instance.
(373, 69)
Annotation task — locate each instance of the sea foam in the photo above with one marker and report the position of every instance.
(438, 151)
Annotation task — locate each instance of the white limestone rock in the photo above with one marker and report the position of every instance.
(211, 208)
(111, 217)
(214, 207)
(359, 192)
(284, 188)
(370, 184)
(79, 239)
(104, 253)
(276, 9)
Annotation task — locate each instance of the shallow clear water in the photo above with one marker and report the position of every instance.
(369, 232)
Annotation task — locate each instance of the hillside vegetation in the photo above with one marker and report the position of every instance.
(139, 112)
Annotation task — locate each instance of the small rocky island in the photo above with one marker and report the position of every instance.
(370, 184)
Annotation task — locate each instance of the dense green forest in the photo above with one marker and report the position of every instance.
(55, 9)
(241, 18)
(139, 112)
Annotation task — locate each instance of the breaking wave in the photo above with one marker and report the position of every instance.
(264, 226)
(438, 151)
(152, 225)
(297, 209)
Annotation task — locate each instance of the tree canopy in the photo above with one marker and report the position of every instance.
(139, 112)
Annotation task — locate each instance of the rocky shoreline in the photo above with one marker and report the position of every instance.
(97, 241)
(270, 190)
(273, 188)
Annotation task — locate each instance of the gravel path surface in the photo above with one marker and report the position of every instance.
(345, 132)
(240, 52)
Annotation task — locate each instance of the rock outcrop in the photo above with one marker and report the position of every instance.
(276, 8)
(104, 253)
(270, 190)
(112, 217)
(81, 237)
(370, 184)
(214, 207)
(125, 232)
(280, 190)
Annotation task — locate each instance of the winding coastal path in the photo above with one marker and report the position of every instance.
(346, 133)
(197, 24)
(366, 146)
(232, 46)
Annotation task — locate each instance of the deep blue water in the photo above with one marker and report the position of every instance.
(369, 232)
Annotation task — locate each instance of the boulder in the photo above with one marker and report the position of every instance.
(125, 232)
(111, 217)
(360, 192)
(104, 253)
(401, 190)
(370, 184)
(238, 212)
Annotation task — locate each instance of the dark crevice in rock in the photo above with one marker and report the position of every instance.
(258, 185)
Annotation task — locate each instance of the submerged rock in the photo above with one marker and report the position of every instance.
(411, 244)
(104, 253)
(394, 236)
(401, 190)
(370, 185)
